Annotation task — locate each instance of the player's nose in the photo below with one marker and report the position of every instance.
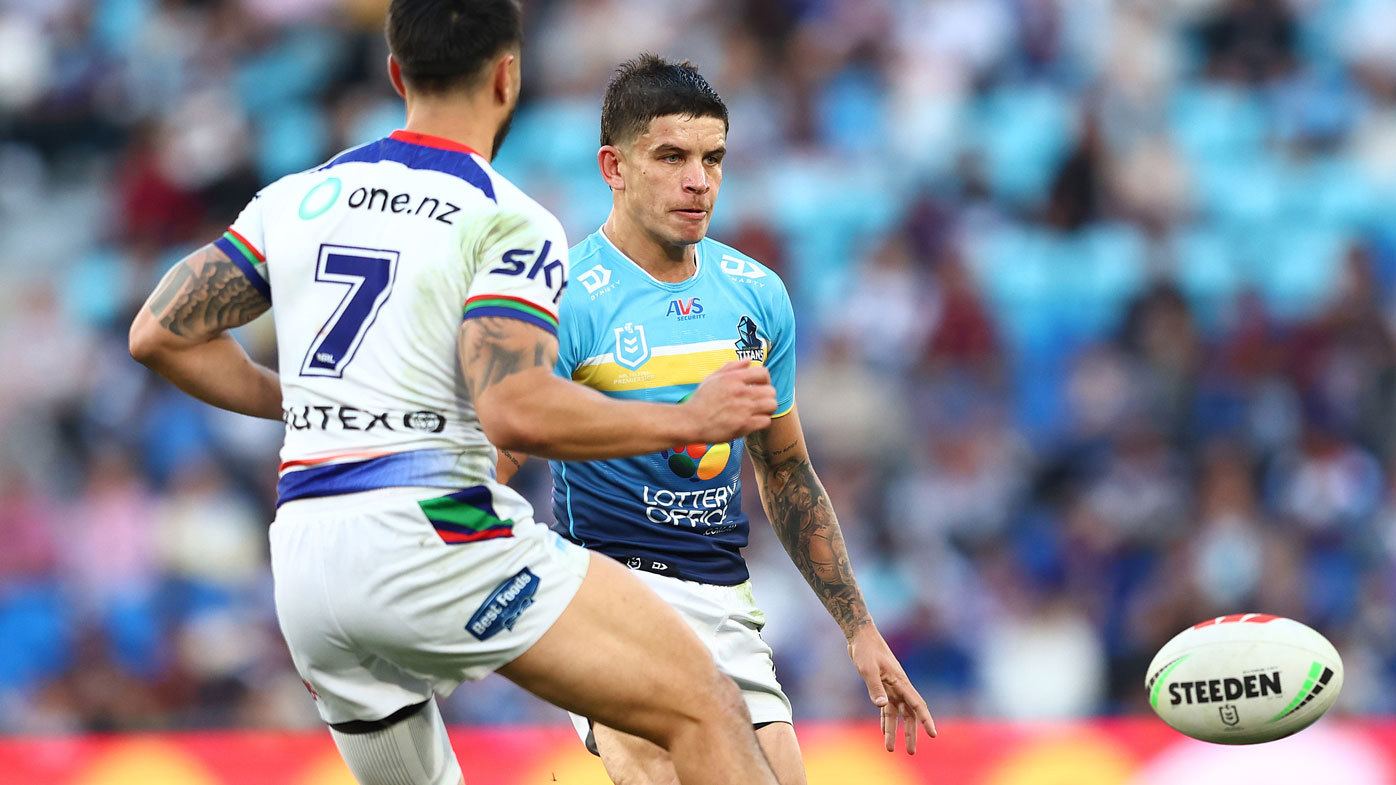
(695, 180)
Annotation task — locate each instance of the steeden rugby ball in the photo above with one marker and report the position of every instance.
(1244, 679)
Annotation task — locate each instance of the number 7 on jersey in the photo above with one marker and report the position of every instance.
(368, 273)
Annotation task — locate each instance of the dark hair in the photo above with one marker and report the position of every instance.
(443, 45)
(649, 86)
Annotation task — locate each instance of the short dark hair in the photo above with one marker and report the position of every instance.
(649, 86)
(443, 45)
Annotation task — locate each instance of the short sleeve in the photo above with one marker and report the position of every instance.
(522, 272)
(244, 242)
(780, 361)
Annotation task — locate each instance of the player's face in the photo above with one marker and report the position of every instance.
(672, 174)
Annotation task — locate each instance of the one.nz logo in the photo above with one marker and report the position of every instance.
(749, 344)
(500, 611)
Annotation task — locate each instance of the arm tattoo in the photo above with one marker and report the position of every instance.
(205, 294)
(510, 457)
(804, 520)
(496, 346)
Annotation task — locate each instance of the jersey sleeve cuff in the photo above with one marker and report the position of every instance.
(246, 258)
(789, 407)
(510, 308)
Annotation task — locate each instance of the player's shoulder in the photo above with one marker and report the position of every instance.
(591, 248)
(743, 270)
(596, 272)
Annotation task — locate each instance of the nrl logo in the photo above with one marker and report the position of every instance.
(632, 350)
(1229, 715)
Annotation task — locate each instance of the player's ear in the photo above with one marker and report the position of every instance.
(608, 158)
(505, 78)
(395, 76)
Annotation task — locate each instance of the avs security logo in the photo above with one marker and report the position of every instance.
(685, 310)
(632, 350)
(501, 609)
(749, 344)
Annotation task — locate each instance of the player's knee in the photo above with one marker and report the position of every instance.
(720, 704)
(658, 771)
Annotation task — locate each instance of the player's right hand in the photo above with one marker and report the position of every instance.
(734, 401)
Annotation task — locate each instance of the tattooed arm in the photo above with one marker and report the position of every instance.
(182, 334)
(525, 408)
(804, 520)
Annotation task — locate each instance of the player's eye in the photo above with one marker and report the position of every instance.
(671, 158)
(713, 160)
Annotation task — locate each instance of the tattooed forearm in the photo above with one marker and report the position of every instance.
(204, 295)
(804, 520)
(494, 347)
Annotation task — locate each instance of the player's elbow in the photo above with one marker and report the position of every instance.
(147, 340)
(511, 424)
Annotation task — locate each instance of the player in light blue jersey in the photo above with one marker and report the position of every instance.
(654, 307)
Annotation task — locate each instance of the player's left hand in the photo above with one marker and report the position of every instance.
(889, 688)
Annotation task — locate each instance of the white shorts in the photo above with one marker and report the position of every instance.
(384, 601)
(729, 624)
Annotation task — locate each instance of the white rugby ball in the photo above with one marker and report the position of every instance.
(1244, 679)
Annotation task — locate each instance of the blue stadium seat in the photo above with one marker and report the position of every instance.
(1209, 270)
(1295, 267)
(1023, 132)
(1213, 122)
(292, 137)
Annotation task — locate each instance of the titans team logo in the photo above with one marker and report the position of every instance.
(749, 344)
(632, 350)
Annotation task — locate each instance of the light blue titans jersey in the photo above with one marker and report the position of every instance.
(676, 512)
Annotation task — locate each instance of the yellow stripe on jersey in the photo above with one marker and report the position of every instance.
(660, 370)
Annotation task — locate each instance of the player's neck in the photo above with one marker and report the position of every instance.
(667, 263)
(452, 121)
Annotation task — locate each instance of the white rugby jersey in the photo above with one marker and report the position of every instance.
(372, 261)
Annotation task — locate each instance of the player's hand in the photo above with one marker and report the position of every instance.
(734, 401)
(889, 688)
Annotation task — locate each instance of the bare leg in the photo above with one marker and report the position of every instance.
(630, 760)
(620, 655)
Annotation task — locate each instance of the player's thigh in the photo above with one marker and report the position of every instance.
(621, 656)
(631, 760)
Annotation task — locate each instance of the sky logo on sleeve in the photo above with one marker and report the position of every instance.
(501, 610)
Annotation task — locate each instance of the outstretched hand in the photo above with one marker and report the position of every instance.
(889, 688)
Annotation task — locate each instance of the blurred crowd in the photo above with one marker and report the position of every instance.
(1096, 304)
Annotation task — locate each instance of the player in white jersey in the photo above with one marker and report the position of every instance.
(418, 293)
(662, 305)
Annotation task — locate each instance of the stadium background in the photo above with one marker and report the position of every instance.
(1096, 329)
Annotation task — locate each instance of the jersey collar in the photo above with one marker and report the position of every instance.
(427, 140)
(673, 287)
